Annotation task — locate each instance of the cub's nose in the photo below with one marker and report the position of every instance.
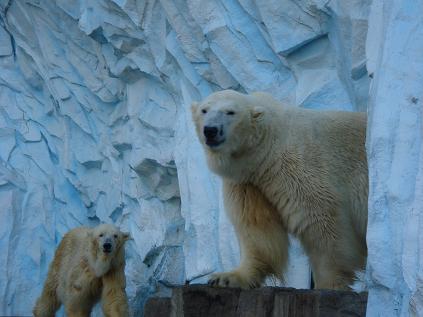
(210, 132)
(107, 247)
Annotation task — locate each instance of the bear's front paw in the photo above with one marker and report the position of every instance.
(232, 279)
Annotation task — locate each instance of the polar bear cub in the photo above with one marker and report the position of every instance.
(88, 266)
(288, 170)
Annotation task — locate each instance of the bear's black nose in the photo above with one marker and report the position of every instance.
(210, 132)
(107, 246)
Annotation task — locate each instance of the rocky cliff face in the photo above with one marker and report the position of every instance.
(395, 154)
(95, 123)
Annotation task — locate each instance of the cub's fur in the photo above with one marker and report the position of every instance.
(88, 266)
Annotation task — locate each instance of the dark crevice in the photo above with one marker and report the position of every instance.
(3, 23)
(6, 8)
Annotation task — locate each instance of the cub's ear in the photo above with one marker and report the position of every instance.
(194, 107)
(126, 236)
(257, 112)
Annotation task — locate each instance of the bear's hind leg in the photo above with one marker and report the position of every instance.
(334, 258)
(328, 271)
(262, 238)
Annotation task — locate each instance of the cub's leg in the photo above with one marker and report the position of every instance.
(48, 303)
(262, 238)
(113, 296)
(79, 300)
(79, 307)
(75, 312)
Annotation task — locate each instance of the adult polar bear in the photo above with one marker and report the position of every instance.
(288, 170)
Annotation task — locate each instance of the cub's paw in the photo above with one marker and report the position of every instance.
(232, 279)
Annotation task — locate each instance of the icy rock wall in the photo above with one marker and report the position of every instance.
(395, 152)
(95, 123)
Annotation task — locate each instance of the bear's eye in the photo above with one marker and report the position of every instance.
(115, 236)
(101, 235)
(204, 111)
(230, 113)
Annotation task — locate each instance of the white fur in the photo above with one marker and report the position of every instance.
(290, 170)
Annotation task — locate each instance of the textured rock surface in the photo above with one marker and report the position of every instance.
(199, 300)
(395, 150)
(95, 123)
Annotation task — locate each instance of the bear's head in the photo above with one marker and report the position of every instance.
(228, 125)
(107, 240)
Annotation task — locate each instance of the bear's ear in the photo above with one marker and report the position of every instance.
(257, 112)
(194, 107)
(126, 236)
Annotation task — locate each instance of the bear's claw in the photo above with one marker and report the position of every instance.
(230, 279)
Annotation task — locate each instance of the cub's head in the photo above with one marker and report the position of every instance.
(226, 122)
(106, 239)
